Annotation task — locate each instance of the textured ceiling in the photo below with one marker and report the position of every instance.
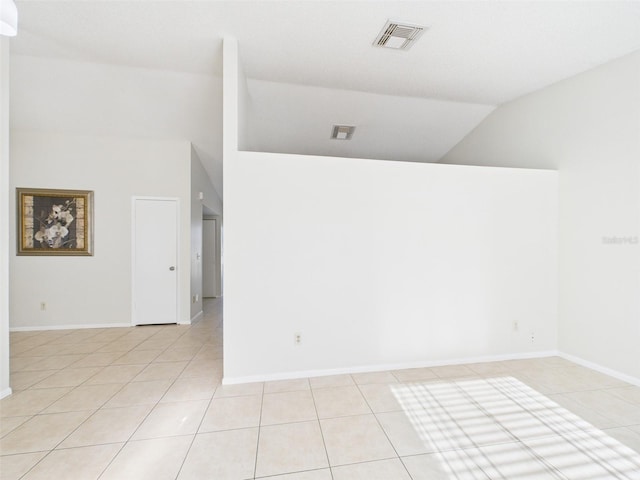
(476, 52)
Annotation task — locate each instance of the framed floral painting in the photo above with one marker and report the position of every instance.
(54, 222)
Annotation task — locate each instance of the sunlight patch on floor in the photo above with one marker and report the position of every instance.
(499, 428)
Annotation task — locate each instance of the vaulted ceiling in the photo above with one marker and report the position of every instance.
(151, 69)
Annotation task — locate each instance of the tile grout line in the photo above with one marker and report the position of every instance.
(324, 443)
(197, 430)
(382, 428)
(124, 444)
(255, 463)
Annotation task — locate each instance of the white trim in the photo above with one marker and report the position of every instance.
(599, 368)
(381, 368)
(69, 327)
(134, 198)
(197, 316)
(6, 248)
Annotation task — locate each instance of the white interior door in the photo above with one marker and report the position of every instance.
(209, 258)
(155, 251)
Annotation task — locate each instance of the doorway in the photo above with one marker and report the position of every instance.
(209, 280)
(211, 254)
(155, 256)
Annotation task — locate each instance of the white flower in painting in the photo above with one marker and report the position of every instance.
(52, 236)
(62, 214)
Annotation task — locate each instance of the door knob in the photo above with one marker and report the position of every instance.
(172, 268)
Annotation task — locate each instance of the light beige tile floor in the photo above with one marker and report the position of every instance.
(146, 403)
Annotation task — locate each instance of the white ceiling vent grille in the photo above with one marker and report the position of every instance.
(399, 36)
(342, 132)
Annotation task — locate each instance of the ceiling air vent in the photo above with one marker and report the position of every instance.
(399, 36)
(342, 132)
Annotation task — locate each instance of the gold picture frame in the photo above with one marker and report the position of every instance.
(54, 222)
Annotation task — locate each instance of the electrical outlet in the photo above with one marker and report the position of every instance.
(197, 297)
(533, 337)
(43, 306)
(297, 339)
(515, 326)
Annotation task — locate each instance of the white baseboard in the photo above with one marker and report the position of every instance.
(68, 327)
(599, 368)
(197, 316)
(5, 393)
(381, 368)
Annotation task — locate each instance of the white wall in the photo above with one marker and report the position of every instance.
(235, 101)
(4, 217)
(200, 183)
(55, 94)
(244, 108)
(94, 290)
(380, 263)
(588, 127)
